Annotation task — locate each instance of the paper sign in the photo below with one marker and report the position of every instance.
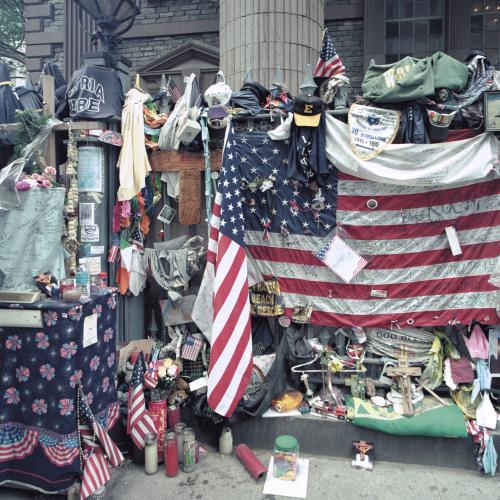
(90, 330)
(87, 211)
(97, 250)
(451, 233)
(198, 384)
(93, 264)
(89, 233)
(90, 169)
(294, 489)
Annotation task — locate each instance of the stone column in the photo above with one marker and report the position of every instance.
(261, 34)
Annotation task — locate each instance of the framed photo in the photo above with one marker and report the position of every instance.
(166, 214)
(492, 111)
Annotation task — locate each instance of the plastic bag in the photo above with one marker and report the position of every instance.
(340, 256)
(486, 415)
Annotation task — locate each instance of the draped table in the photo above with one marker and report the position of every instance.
(40, 370)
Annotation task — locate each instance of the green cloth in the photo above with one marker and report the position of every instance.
(431, 419)
(411, 78)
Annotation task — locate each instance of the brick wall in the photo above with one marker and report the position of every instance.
(347, 35)
(143, 51)
(153, 11)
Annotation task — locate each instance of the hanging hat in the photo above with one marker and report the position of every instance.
(307, 111)
(439, 124)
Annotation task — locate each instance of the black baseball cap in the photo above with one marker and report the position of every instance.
(307, 111)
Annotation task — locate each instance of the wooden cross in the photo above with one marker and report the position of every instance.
(190, 166)
(403, 372)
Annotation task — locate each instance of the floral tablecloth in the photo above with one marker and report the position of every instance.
(39, 373)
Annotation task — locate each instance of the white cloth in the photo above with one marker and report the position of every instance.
(132, 261)
(414, 164)
(133, 161)
(283, 131)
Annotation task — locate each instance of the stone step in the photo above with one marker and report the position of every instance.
(326, 436)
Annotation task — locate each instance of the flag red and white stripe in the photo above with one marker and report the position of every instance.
(329, 63)
(139, 421)
(95, 466)
(412, 277)
(231, 350)
(173, 90)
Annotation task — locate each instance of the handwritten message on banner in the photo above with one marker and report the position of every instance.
(371, 129)
(30, 238)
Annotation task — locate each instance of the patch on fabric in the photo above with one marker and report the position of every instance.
(371, 129)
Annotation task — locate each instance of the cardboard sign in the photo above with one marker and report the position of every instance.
(266, 300)
(371, 130)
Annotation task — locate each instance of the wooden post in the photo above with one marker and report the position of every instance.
(190, 167)
(49, 109)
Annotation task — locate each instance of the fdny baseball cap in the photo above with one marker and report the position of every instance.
(307, 111)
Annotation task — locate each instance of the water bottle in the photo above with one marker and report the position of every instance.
(83, 280)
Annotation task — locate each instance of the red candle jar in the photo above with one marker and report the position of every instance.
(170, 447)
(173, 416)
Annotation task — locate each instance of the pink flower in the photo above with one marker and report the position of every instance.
(23, 185)
(36, 177)
(50, 171)
(94, 363)
(46, 183)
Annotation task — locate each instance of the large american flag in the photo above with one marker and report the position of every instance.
(98, 448)
(329, 63)
(411, 278)
(231, 350)
(139, 421)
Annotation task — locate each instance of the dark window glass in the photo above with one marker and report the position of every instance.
(476, 41)
(436, 8)
(392, 30)
(476, 23)
(485, 27)
(416, 24)
(392, 9)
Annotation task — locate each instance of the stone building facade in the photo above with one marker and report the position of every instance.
(164, 25)
(383, 30)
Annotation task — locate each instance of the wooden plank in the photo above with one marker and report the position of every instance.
(190, 197)
(49, 108)
(175, 161)
(80, 126)
(33, 65)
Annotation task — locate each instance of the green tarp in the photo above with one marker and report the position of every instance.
(430, 419)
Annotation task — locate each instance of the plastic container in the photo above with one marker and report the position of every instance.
(226, 441)
(170, 448)
(188, 450)
(286, 458)
(82, 280)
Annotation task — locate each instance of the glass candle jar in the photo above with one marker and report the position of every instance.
(188, 449)
(173, 416)
(171, 459)
(179, 429)
(151, 454)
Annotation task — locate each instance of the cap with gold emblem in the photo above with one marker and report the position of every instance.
(307, 111)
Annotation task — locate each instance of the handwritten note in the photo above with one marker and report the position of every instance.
(30, 238)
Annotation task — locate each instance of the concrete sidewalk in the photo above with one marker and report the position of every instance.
(224, 478)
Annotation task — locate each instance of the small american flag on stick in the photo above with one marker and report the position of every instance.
(191, 348)
(329, 63)
(139, 421)
(173, 90)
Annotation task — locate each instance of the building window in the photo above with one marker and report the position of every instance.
(485, 28)
(413, 28)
